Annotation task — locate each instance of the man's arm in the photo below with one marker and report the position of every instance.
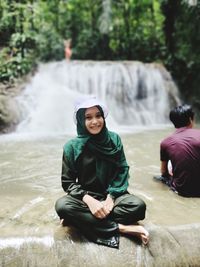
(163, 168)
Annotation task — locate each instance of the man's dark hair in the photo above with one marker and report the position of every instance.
(181, 116)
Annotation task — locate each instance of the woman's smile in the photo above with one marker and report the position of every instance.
(94, 121)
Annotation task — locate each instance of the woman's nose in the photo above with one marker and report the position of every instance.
(94, 120)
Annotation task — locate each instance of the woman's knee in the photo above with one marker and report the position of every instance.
(67, 206)
(62, 206)
(59, 206)
(130, 208)
(138, 207)
(141, 209)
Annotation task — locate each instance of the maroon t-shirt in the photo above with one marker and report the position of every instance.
(183, 149)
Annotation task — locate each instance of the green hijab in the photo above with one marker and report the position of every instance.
(100, 144)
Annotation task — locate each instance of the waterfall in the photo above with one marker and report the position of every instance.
(137, 94)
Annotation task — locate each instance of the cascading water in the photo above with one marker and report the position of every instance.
(137, 94)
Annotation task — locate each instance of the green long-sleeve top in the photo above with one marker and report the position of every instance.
(80, 175)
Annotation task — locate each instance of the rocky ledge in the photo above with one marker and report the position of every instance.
(9, 107)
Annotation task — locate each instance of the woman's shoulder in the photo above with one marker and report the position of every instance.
(115, 137)
(74, 147)
(71, 144)
(113, 134)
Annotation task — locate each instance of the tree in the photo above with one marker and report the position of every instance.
(182, 32)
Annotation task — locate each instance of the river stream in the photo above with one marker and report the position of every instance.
(30, 184)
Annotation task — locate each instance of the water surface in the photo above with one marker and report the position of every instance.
(30, 184)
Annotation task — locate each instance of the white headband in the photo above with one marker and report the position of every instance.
(89, 101)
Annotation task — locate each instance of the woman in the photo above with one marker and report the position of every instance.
(95, 176)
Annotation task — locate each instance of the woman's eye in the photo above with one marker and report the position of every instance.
(98, 116)
(88, 118)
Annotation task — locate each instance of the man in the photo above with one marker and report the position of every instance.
(182, 150)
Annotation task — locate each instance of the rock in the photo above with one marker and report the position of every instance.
(9, 107)
(176, 246)
(9, 113)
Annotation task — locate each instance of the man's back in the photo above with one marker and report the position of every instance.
(183, 149)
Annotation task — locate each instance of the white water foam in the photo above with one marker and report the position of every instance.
(17, 242)
(135, 94)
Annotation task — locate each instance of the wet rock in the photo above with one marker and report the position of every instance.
(171, 88)
(9, 107)
(176, 246)
(9, 113)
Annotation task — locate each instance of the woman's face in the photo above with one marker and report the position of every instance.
(94, 122)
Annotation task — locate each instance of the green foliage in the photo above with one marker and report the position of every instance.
(183, 44)
(99, 29)
(49, 45)
(18, 40)
(23, 40)
(165, 31)
(12, 67)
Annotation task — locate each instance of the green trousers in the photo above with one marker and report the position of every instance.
(128, 209)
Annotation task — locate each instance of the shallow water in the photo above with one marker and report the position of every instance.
(30, 184)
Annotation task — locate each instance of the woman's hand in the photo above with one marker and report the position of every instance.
(96, 207)
(108, 204)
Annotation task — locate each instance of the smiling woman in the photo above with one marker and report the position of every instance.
(95, 176)
(94, 120)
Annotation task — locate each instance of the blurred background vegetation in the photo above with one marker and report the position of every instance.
(163, 31)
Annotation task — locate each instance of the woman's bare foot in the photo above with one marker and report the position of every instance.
(135, 230)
